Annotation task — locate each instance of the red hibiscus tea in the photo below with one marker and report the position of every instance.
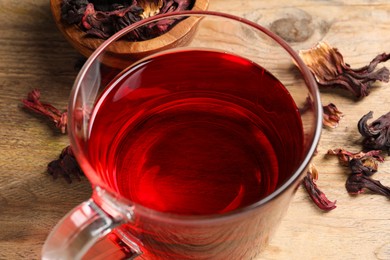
(207, 146)
(195, 132)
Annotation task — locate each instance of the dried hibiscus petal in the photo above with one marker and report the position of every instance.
(366, 165)
(104, 24)
(33, 103)
(377, 134)
(104, 18)
(317, 196)
(356, 183)
(331, 115)
(73, 11)
(345, 156)
(65, 166)
(328, 66)
(150, 7)
(362, 165)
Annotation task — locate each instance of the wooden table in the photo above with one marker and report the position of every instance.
(33, 54)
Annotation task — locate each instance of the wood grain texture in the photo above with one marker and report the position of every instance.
(33, 54)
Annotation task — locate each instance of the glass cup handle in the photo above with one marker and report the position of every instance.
(84, 226)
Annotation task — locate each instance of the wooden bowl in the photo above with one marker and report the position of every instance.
(122, 53)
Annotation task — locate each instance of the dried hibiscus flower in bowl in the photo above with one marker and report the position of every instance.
(87, 23)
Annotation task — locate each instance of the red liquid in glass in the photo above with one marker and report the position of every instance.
(195, 132)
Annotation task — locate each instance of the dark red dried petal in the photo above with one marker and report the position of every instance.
(105, 18)
(377, 134)
(331, 115)
(33, 103)
(175, 5)
(65, 166)
(345, 156)
(72, 11)
(328, 66)
(34, 96)
(317, 196)
(356, 183)
(367, 166)
(363, 126)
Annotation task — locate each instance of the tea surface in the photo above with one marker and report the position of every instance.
(195, 132)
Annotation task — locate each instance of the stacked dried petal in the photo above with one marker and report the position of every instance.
(65, 166)
(363, 166)
(104, 18)
(328, 66)
(345, 156)
(377, 134)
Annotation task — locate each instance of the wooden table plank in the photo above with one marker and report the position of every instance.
(33, 54)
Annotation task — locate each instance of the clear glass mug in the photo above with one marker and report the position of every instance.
(114, 225)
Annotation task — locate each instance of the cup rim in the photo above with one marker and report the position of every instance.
(309, 80)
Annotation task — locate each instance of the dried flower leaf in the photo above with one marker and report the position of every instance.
(317, 196)
(150, 7)
(313, 171)
(356, 183)
(33, 103)
(366, 165)
(65, 166)
(328, 66)
(331, 115)
(104, 19)
(73, 11)
(345, 156)
(377, 134)
(175, 5)
(104, 24)
(362, 165)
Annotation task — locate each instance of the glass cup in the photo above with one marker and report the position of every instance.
(239, 113)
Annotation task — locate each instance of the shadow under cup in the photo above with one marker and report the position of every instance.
(199, 146)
